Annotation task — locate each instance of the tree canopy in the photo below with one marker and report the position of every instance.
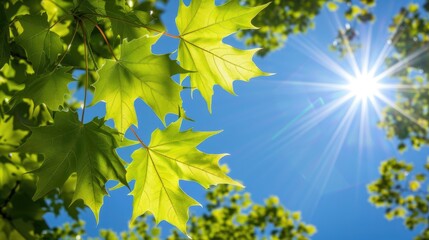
(402, 186)
(53, 159)
(106, 47)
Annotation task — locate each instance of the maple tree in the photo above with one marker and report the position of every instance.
(52, 158)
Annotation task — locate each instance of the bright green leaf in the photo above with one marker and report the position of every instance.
(41, 45)
(202, 26)
(172, 156)
(138, 74)
(69, 146)
(125, 22)
(49, 88)
(10, 138)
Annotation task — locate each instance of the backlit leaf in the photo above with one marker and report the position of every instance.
(202, 26)
(127, 23)
(172, 156)
(10, 138)
(138, 74)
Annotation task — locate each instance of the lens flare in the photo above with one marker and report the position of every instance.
(364, 86)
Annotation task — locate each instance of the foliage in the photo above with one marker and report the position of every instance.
(410, 36)
(347, 39)
(284, 18)
(231, 215)
(60, 161)
(172, 156)
(402, 187)
(402, 194)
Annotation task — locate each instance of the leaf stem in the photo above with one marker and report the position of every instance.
(85, 46)
(138, 25)
(56, 22)
(104, 37)
(138, 138)
(68, 46)
(91, 53)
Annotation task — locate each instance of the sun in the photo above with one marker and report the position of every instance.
(364, 86)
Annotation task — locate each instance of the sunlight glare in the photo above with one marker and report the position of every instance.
(363, 86)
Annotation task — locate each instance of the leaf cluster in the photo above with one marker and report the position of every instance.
(51, 154)
(403, 191)
(402, 188)
(282, 19)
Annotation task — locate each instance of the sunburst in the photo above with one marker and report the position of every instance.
(362, 91)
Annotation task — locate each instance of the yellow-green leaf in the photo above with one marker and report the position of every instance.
(202, 26)
(138, 74)
(10, 138)
(157, 168)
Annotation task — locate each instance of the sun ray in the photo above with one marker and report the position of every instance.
(402, 87)
(324, 60)
(387, 48)
(311, 120)
(325, 86)
(367, 52)
(350, 56)
(324, 167)
(401, 64)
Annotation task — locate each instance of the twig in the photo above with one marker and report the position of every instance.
(138, 138)
(85, 46)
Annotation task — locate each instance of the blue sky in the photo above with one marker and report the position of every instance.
(322, 172)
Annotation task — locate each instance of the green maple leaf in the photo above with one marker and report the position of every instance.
(127, 23)
(138, 74)
(10, 138)
(49, 88)
(157, 168)
(202, 26)
(41, 45)
(87, 149)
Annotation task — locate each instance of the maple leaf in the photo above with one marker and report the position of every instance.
(127, 23)
(202, 26)
(87, 149)
(49, 88)
(41, 45)
(157, 168)
(138, 74)
(10, 138)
